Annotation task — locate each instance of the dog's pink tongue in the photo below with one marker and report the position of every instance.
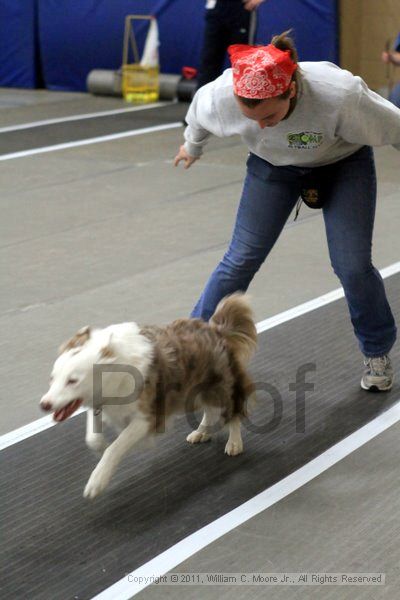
(67, 411)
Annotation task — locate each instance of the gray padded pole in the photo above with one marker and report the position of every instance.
(168, 86)
(105, 82)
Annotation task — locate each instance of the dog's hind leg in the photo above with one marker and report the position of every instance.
(211, 417)
(94, 439)
(137, 429)
(234, 444)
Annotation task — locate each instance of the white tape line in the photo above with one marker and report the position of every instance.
(27, 431)
(103, 113)
(301, 309)
(137, 580)
(96, 140)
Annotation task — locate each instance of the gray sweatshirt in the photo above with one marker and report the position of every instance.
(335, 115)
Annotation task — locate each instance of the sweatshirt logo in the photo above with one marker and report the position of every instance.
(307, 140)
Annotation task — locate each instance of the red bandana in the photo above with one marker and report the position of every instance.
(260, 71)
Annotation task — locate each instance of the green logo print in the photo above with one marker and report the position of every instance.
(306, 140)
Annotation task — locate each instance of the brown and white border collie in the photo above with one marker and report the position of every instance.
(187, 365)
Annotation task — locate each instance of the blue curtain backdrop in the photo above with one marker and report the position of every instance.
(18, 51)
(75, 36)
(89, 36)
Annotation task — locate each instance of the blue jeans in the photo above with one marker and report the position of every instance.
(269, 195)
(395, 95)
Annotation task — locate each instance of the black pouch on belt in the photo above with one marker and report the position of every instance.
(311, 193)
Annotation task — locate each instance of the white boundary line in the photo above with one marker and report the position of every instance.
(137, 580)
(96, 140)
(31, 429)
(26, 431)
(301, 309)
(104, 113)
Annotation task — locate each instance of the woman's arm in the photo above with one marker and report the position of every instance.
(391, 57)
(183, 155)
(367, 118)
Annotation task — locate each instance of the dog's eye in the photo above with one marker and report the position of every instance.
(72, 381)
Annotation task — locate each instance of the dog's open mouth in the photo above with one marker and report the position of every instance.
(66, 411)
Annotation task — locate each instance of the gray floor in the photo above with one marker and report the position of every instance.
(111, 232)
(345, 521)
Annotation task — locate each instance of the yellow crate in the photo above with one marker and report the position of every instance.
(140, 84)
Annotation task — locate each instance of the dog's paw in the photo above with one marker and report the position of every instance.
(96, 442)
(98, 481)
(234, 448)
(196, 437)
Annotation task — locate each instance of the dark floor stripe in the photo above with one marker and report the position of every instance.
(72, 131)
(55, 544)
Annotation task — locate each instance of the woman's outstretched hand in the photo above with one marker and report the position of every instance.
(391, 57)
(183, 155)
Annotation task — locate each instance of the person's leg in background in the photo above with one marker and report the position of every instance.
(269, 195)
(228, 22)
(395, 95)
(349, 213)
(215, 42)
(240, 23)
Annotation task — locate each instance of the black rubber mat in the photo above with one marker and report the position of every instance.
(57, 545)
(72, 131)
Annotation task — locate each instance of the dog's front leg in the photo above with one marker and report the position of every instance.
(100, 477)
(94, 439)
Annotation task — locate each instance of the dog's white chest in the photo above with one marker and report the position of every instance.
(118, 416)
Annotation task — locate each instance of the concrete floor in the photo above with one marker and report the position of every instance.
(26, 106)
(112, 231)
(345, 521)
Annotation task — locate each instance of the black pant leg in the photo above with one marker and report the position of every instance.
(215, 42)
(238, 22)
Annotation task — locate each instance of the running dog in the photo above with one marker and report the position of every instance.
(185, 366)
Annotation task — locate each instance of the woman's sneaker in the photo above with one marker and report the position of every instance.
(378, 374)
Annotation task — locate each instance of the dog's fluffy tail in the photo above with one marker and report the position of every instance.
(234, 318)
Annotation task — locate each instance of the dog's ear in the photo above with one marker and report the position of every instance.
(79, 339)
(107, 351)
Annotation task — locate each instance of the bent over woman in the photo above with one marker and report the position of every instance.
(302, 122)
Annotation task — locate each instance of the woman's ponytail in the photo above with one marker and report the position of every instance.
(285, 42)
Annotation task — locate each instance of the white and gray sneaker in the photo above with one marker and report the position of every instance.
(378, 374)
